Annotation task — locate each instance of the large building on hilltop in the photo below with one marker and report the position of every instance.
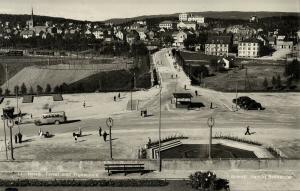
(191, 18)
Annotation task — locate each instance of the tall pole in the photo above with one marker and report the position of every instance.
(159, 131)
(5, 139)
(210, 142)
(6, 76)
(236, 93)
(11, 144)
(210, 123)
(110, 143)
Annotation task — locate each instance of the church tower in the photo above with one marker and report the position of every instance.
(30, 22)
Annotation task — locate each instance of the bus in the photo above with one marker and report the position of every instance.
(52, 118)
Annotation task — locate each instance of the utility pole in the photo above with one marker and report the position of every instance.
(159, 130)
(6, 76)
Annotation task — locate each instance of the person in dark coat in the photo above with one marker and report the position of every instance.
(105, 135)
(247, 131)
(20, 137)
(100, 131)
(115, 98)
(196, 93)
(119, 95)
(16, 138)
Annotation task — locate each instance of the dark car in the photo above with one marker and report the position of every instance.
(254, 106)
(239, 100)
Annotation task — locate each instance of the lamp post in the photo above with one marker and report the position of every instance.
(8, 115)
(109, 123)
(210, 123)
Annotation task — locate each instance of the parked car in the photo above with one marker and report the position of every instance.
(247, 103)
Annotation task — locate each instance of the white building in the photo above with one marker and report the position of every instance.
(249, 48)
(183, 16)
(120, 35)
(167, 25)
(179, 38)
(196, 18)
(99, 34)
(186, 25)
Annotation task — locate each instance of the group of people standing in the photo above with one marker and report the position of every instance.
(104, 134)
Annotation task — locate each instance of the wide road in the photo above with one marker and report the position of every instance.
(281, 130)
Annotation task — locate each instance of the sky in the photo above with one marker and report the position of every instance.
(99, 10)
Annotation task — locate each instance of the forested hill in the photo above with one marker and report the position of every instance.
(211, 14)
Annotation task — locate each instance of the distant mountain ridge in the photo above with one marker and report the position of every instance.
(211, 14)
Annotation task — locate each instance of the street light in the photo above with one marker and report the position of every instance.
(159, 129)
(8, 115)
(109, 123)
(210, 123)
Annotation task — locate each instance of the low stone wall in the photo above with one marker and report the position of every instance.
(95, 169)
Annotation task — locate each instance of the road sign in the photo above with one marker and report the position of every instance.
(109, 122)
(10, 123)
(210, 122)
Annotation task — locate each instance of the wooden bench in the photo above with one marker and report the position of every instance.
(126, 168)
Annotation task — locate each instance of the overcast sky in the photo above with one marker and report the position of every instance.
(98, 10)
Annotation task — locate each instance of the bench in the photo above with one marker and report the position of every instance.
(126, 168)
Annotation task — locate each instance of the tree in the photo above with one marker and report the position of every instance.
(265, 83)
(16, 89)
(39, 89)
(7, 91)
(23, 89)
(278, 82)
(31, 90)
(56, 89)
(168, 40)
(48, 88)
(292, 70)
(274, 81)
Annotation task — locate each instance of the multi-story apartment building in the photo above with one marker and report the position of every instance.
(218, 45)
(249, 48)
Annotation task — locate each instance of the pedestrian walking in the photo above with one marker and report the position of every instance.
(50, 110)
(119, 95)
(75, 137)
(176, 76)
(115, 98)
(196, 93)
(172, 76)
(247, 131)
(79, 131)
(16, 138)
(100, 131)
(31, 115)
(83, 104)
(185, 87)
(20, 137)
(105, 135)
(211, 106)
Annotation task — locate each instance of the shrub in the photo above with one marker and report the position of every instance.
(207, 181)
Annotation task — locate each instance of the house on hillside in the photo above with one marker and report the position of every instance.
(132, 37)
(120, 35)
(218, 45)
(196, 18)
(179, 38)
(167, 25)
(186, 25)
(249, 48)
(98, 33)
(27, 34)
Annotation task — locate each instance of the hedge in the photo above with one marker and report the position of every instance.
(84, 183)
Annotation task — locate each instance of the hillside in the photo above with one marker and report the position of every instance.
(210, 14)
